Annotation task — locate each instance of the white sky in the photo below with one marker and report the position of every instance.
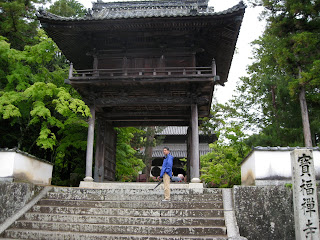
(250, 30)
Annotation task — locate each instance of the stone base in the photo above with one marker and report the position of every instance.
(195, 180)
(88, 179)
(196, 187)
(272, 182)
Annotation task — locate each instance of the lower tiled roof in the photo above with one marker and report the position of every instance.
(178, 150)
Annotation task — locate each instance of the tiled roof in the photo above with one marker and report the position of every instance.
(179, 150)
(144, 9)
(23, 153)
(281, 148)
(203, 4)
(175, 130)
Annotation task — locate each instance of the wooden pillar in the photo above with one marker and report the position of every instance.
(100, 151)
(189, 155)
(90, 141)
(214, 67)
(95, 65)
(195, 158)
(71, 71)
(110, 146)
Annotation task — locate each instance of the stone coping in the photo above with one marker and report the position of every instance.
(25, 154)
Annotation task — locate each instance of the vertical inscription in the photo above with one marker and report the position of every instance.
(305, 195)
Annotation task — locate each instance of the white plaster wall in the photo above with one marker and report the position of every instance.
(316, 157)
(273, 163)
(31, 169)
(248, 169)
(6, 164)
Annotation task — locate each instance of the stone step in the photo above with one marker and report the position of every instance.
(133, 197)
(123, 220)
(143, 191)
(133, 204)
(120, 229)
(129, 212)
(54, 235)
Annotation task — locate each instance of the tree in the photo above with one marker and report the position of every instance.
(128, 165)
(39, 114)
(68, 8)
(221, 167)
(149, 144)
(18, 21)
(263, 103)
(294, 24)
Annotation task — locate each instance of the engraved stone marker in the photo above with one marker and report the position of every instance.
(305, 203)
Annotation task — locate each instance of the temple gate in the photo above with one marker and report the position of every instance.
(145, 63)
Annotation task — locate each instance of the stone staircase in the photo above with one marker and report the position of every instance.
(78, 213)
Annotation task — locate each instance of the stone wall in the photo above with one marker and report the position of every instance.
(264, 213)
(13, 196)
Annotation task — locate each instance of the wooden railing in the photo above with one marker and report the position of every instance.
(168, 71)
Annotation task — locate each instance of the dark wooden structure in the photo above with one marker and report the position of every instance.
(145, 63)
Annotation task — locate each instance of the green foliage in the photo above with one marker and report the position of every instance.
(39, 114)
(221, 167)
(286, 61)
(18, 22)
(288, 185)
(128, 165)
(67, 8)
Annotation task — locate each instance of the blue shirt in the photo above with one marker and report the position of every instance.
(167, 166)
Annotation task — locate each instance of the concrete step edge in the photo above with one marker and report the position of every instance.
(153, 217)
(125, 225)
(127, 201)
(125, 236)
(138, 209)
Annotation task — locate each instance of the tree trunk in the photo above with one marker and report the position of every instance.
(305, 115)
(148, 151)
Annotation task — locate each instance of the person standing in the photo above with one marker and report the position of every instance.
(166, 172)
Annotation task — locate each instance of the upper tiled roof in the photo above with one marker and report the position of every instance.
(146, 9)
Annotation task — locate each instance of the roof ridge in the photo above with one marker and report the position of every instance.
(151, 11)
(150, 3)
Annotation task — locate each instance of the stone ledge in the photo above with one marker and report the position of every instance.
(130, 185)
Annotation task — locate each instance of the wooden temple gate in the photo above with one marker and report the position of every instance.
(145, 63)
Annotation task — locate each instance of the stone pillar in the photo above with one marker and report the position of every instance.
(195, 158)
(90, 141)
(305, 203)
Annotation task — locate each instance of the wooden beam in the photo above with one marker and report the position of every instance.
(118, 80)
(151, 101)
(147, 114)
(148, 123)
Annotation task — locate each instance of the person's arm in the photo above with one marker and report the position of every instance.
(169, 164)
(163, 169)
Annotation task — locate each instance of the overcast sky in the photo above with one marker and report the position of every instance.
(250, 30)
